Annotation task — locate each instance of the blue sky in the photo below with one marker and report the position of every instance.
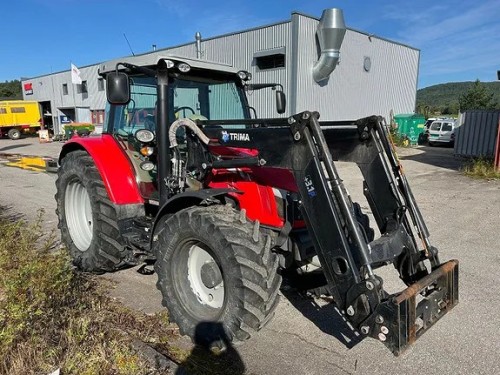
(459, 40)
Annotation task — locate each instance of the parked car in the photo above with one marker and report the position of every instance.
(442, 131)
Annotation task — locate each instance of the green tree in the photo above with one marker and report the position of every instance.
(476, 97)
(11, 89)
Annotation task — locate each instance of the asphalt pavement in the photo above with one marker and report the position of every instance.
(307, 336)
(29, 146)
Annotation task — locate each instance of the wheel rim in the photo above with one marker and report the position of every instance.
(78, 211)
(205, 277)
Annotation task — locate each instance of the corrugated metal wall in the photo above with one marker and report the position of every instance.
(50, 88)
(238, 49)
(476, 133)
(351, 92)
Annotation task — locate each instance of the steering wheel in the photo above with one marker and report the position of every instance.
(183, 109)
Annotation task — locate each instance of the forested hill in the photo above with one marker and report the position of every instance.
(444, 97)
(10, 90)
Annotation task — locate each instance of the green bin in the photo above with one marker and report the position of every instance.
(411, 125)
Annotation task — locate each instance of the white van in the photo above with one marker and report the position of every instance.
(442, 131)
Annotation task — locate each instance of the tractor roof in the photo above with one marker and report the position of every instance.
(149, 60)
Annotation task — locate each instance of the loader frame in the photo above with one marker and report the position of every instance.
(307, 147)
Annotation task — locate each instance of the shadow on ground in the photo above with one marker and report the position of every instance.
(325, 315)
(12, 147)
(438, 156)
(212, 354)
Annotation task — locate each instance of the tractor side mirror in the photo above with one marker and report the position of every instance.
(280, 101)
(117, 88)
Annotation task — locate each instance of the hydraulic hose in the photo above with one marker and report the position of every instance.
(188, 124)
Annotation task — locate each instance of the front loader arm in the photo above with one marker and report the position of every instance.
(308, 149)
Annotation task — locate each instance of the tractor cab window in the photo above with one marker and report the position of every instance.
(140, 111)
(210, 100)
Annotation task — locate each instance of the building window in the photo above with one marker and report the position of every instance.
(18, 110)
(65, 89)
(82, 88)
(271, 62)
(97, 117)
(100, 84)
(270, 59)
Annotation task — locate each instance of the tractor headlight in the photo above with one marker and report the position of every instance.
(170, 64)
(147, 166)
(144, 135)
(244, 75)
(183, 67)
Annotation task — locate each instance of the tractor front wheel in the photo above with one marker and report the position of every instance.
(215, 265)
(87, 218)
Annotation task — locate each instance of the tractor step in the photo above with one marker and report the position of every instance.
(136, 232)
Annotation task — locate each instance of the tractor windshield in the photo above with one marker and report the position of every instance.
(211, 100)
(192, 97)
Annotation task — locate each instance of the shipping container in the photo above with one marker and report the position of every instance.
(476, 133)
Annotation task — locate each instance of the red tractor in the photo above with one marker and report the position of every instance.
(225, 204)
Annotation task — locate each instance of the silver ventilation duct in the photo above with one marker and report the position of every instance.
(197, 37)
(330, 31)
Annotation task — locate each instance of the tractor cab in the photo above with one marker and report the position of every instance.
(139, 102)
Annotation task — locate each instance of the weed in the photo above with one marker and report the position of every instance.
(481, 168)
(53, 317)
(398, 139)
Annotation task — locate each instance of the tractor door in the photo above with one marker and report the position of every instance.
(138, 114)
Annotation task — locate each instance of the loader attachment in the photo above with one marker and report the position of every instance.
(403, 318)
(309, 150)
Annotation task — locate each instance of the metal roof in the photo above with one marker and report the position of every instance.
(153, 59)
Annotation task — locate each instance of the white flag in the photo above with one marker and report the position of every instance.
(75, 75)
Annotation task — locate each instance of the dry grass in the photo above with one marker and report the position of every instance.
(481, 168)
(52, 317)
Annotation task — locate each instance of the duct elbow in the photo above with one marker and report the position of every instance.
(331, 30)
(325, 65)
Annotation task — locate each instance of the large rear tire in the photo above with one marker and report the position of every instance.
(87, 218)
(215, 265)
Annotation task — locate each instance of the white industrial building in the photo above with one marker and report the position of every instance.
(374, 75)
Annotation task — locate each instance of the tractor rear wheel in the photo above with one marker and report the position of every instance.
(215, 265)
(87, 218)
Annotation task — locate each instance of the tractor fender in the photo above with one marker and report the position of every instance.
(114, 167)
(188, 199)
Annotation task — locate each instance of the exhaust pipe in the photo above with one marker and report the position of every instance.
(197, 37)
(330, 31)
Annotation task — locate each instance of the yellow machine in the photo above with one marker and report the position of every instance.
(18, 117)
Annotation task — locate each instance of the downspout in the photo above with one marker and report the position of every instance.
(331, 30)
